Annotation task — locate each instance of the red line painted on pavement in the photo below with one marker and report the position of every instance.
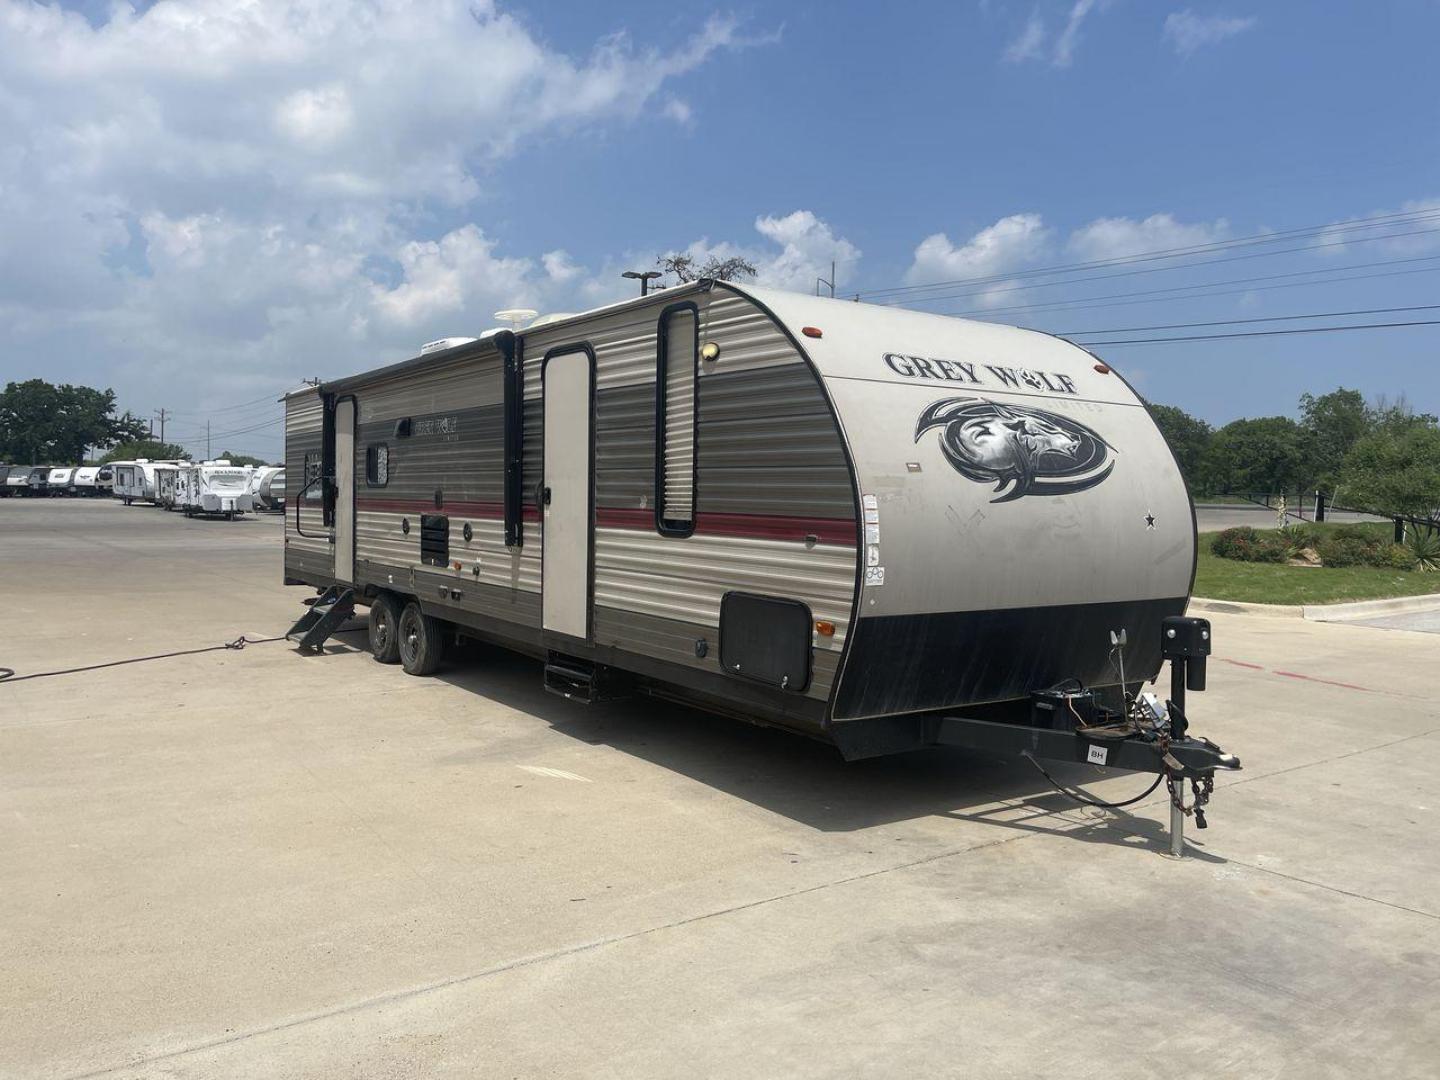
(1327, 682)
(1239, 663)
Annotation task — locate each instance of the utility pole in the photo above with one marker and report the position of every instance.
(208, 455)
(162, 414)
(830, 281)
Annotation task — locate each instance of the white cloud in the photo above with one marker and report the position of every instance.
(1009, 244)
(1021, 241)
(1116, 238)
(1069, 38)
(195, 195)
(1029, 44)
(1416, 236)
(1033, 41)
(1187, 31)
(806, 246)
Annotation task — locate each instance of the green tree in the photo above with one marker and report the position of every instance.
(1267, 454)
(242, 459)
(1395, 470)
(42, 422)
(682, 267)
(1189, 437)
(1333, 423)
(145, 448)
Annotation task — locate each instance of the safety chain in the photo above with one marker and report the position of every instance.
(1201, 788)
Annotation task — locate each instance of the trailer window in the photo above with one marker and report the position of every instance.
(377, 465)
(676, 386)
(313, 464)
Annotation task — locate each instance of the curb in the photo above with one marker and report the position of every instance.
(1243, 607)
(1359, 609)
(1363, 609)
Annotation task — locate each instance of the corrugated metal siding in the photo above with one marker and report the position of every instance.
(310, 555)
(456, 451)
(769, 452)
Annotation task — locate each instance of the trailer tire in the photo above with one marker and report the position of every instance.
(385, 629)
(421, 641)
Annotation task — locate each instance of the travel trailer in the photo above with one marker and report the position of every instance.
(267, 487)
(38, 480)
(165, 481)
(84, 482)
(872, 526)
(6, 489)
(214, 488)
(58, 482)
(135, 480)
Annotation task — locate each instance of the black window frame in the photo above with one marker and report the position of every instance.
(663, 525)
(372, 458)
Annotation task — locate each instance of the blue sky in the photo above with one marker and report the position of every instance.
(205, 201)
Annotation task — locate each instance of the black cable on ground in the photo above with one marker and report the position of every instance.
(8, 674)
(1087, 800)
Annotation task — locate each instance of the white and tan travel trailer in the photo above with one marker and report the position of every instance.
(847, 520)
(166, 478)
(134, 481)
(214, 488)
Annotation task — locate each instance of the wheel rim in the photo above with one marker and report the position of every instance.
(409, 636)
(382, 631)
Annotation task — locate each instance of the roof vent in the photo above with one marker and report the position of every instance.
(516, 317)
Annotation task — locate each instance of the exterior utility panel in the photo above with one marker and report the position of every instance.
(830, 516)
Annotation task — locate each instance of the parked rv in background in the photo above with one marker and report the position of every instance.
(5, 489)
(38, 482)
(214, 487)
(58, 482)
(165, 480)
(267, 487)
(135, 480)
(85, 482)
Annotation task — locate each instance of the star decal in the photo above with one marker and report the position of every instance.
(1149, 521)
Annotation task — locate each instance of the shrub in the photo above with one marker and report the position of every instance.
(1424, 547)
(1368, 537)
(1302, 537)
(1236, 543)
(1271, 548)
(1344, 551)
(1394, 557)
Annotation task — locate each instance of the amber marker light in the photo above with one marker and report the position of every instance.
(710, 351)
(811, 331)
(824, 628)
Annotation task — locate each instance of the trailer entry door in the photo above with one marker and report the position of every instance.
(566, 491)
(345, 491)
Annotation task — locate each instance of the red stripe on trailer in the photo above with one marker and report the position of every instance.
(749, 526)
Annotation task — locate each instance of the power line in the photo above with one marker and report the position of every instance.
(1266, 333)
(1236, 322)
(1379, 221)
(1148, 270)
(1163, 295)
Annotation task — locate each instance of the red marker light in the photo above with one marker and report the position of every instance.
(811, 331)
(1103, 369)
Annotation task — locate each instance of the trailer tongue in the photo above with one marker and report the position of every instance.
(1068, 723)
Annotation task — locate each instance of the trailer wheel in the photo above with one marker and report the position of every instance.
(385, 629)
(422, 641)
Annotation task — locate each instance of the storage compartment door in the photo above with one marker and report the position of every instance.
(566, 493)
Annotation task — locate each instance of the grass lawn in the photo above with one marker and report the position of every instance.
(1273, 583)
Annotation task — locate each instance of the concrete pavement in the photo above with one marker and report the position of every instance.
(259, 863)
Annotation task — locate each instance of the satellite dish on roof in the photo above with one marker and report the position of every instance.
(516, 317)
